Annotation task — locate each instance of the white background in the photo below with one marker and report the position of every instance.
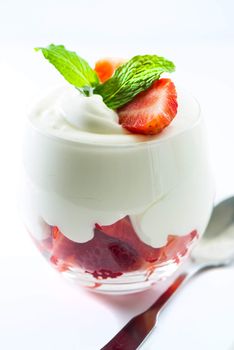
(37, 309)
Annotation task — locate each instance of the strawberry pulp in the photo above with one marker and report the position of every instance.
(114, 249)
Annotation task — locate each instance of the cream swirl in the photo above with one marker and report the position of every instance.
(88, 114)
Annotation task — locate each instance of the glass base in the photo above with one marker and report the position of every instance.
(128, 283)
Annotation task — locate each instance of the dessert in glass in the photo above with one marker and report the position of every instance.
(115, 197)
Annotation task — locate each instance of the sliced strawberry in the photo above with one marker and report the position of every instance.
(151, 110)
(114, 250)
(106, 67)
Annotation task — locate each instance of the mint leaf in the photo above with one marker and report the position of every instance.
(131, 78)
(73, 68)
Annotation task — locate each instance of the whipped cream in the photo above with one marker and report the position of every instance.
(79, 177)
(67, 114)
(88, 114)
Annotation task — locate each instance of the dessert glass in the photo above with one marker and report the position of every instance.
(117, 217)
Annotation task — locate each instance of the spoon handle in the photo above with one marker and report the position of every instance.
(131, 336)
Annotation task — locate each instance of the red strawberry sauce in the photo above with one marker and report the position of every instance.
(114, 250)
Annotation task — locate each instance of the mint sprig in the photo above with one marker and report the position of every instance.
(73, 68)
(131, 78)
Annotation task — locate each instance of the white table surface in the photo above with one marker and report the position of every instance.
(38, 310)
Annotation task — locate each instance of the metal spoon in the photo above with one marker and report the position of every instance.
(215, 249)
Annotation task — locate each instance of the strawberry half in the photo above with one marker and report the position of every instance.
(151, 110)
(106, 67)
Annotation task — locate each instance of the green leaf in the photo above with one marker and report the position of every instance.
(73, 68)
(131, 78)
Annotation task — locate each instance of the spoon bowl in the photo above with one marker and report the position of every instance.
(217, 245)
